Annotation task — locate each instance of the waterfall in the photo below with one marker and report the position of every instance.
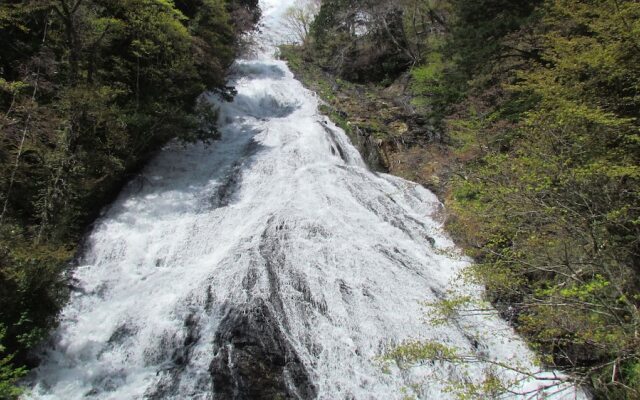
(270, 264)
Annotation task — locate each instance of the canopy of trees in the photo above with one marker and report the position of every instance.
(89, 89)
(538, 102)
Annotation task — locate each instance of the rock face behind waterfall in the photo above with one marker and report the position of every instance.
(255, 361)
(271, 264)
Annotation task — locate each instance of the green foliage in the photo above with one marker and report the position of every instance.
(430, 85)
(492, 384)
(539, 105)
(549, 206)
(9, 375)
(361, 41)
(413, 352)
(89, 90)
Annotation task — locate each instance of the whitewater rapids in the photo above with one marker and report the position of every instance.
(269, 264)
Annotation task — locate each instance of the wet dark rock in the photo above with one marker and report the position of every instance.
(228, 188)
(171, 373)
(368, 148)
(121, 334)
(254, 360)
(366, 145)
(335, 146)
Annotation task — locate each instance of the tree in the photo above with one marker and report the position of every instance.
(548, 206)
(9, 375)
(89, 90)
(298, 19)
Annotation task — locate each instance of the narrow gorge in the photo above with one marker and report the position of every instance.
(269, 264)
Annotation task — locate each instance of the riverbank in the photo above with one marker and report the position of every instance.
(547, 220)
(382, 123)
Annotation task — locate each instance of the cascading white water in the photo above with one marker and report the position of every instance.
(270, 263)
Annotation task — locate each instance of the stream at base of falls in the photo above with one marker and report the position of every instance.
(271, 264)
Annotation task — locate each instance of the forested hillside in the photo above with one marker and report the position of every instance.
(89, 90)
(528, 125)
